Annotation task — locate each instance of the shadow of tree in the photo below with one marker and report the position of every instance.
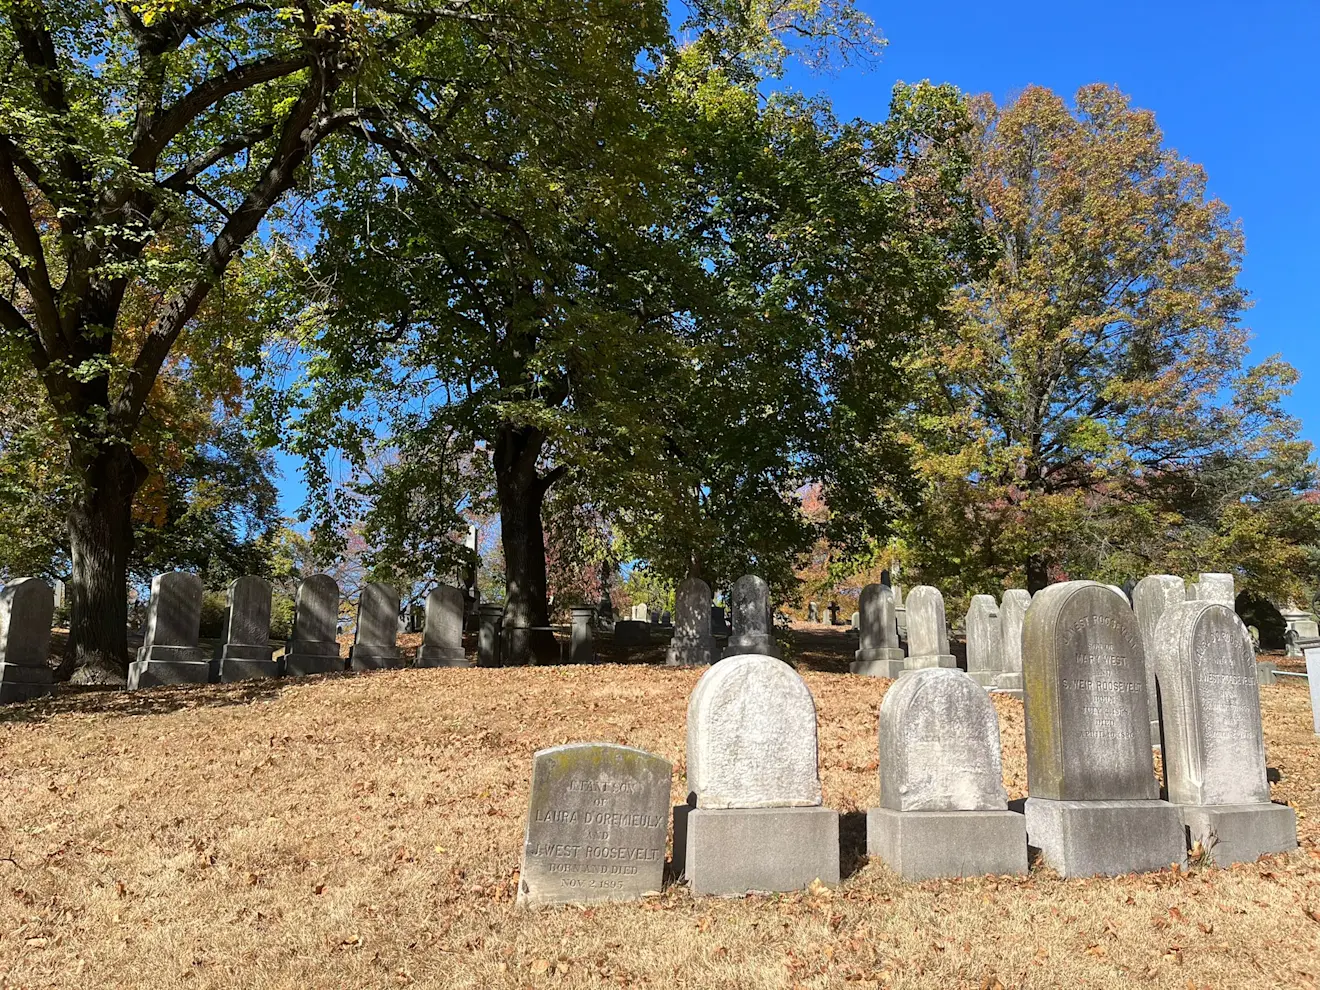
(852, 842)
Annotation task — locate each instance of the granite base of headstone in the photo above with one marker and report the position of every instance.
(735, 851)
(1106, 838)
(169, 654)
(597, 825)
(26, 608)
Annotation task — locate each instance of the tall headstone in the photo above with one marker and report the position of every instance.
(693, 643)
(927, 630)
(753, 629)
(377, 629)
(596, 825)
(1094, 807)
(943, 810)
(491, 617)
(314, 645)
(879, 654)
(442, 635)
(244, 651)
(1151, 598)
(169, 653)
(1012, 613)
(1214, 588)
(985, 647)
(1214, 747)
(581, 643)
(754, 819)
(27, 606)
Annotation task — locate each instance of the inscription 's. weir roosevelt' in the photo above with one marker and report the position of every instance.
(596, 826)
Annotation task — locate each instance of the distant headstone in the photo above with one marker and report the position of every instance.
(314, 645)
(1299, 625)
(856, 623)
(1012, 613)
(632, 633)
(719, 622)
(1214, 747)
(442, 635)
(244, 651)
(752, 623)
(1151, 598)
(169, 653)
(377, 629)
(26, 608)
(490, 617)
(693, 644)
(754, 819)
(640, 613)
(943, 810)
(927, 630)
(813, 612)
(985, 647)
(879, 654)
(1214, 588)
(834, 613)
(581, 644)
(1094, 806)
(596, 826)
(666, 619)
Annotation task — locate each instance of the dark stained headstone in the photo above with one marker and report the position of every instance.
(244, 650)
(879, 653)
(693, 644)
(442, 637)
(377, 629)
(314, 646)
(26, 608)
(169, 653)
(753, 628)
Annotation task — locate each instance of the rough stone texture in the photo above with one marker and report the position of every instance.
(169, 652)
(1106, 838)
(985, 648)
(730, 852)
(1120, 592)
(1214, 588)
(377, 629)
(1241, 833)
(632, 632)
(1313, 679)
(26, 608)
(927, 630)
(581, 645)
(244, 651)
(692, 643)
(923, 845)
(314, 646)
(753, 625)
(879, 653)
(442, 636)
(1152, 596)
(1012, 613)
(597, 825)
(491, 618)
(751, 737)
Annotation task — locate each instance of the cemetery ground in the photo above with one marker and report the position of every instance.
(364, 830)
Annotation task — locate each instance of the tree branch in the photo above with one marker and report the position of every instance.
(200, 163)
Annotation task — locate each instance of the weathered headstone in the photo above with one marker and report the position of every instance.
(640, 613)
(943, 810)
(1012, 613)
(1214, 588)
(581, 643)
(1214, 747)
(596, 826)
(1120, 592)
(879, 654)
(1299, 625)
(754, 819)
(813, 612)
(1151, 598)
(985, 647)
(1267, 673)
(442, 636)
(244, 651)
(314, 645)
(856, 623)
(27, 606)
(752, 623)
(169, 653)
(693, 643)
(377, 629)
(927, 630)
(490, 618)
(1094, 806)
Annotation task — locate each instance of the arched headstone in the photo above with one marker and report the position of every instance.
(27, 606)
(244, 651)
(169, 653)
(314, 645)
(442, 637)
(927, 630)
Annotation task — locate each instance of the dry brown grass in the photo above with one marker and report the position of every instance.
(364, 831)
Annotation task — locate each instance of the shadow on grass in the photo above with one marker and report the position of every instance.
(852, 842)
(115, 701)
(828, 649)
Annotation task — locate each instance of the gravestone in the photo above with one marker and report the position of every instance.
(752, 622)
(856, 623)
(1012, 613)
(244, 651)
(640, 613)
(943, 810)
(1313, 680)
(1094, 807)
(754, 819)
(581, 644)
(632, 633)
(833, 609)
(666, 619)
(377, 629)
(596, 825)
(719, 622)
(693, 643)
(985, 647)
(1120, 592)
(490, 618)
(1214, 747)
(27, 606)
(1299, 625)
(813, 612)
(314, 645)
(1214, 588)
(1151, 598)
(879, 654)
(169, 653)
(442, 635)
(927, 630)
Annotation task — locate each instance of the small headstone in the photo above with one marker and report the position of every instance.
(752, 622)
(244, 650)
(878, 654)
(754, 820)
(856, 623)
(442, 636)
(834, 613)
(1151, 598)
(377, 629)
(640, 613)
(693, 644)
(985, 648)
(169, 653)
(314, 645)
(1254, 633)
(1214, 747)
(1012, 613)
(581, 644)
(719, 622)
(490, 617)
(927, 630)
(26, 608)
(1094, 806)
(943, 810)
(596, 826)
(813, 612)
(1215, 588)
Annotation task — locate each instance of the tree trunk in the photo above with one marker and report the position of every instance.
(521, 492)
(1038, 572)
